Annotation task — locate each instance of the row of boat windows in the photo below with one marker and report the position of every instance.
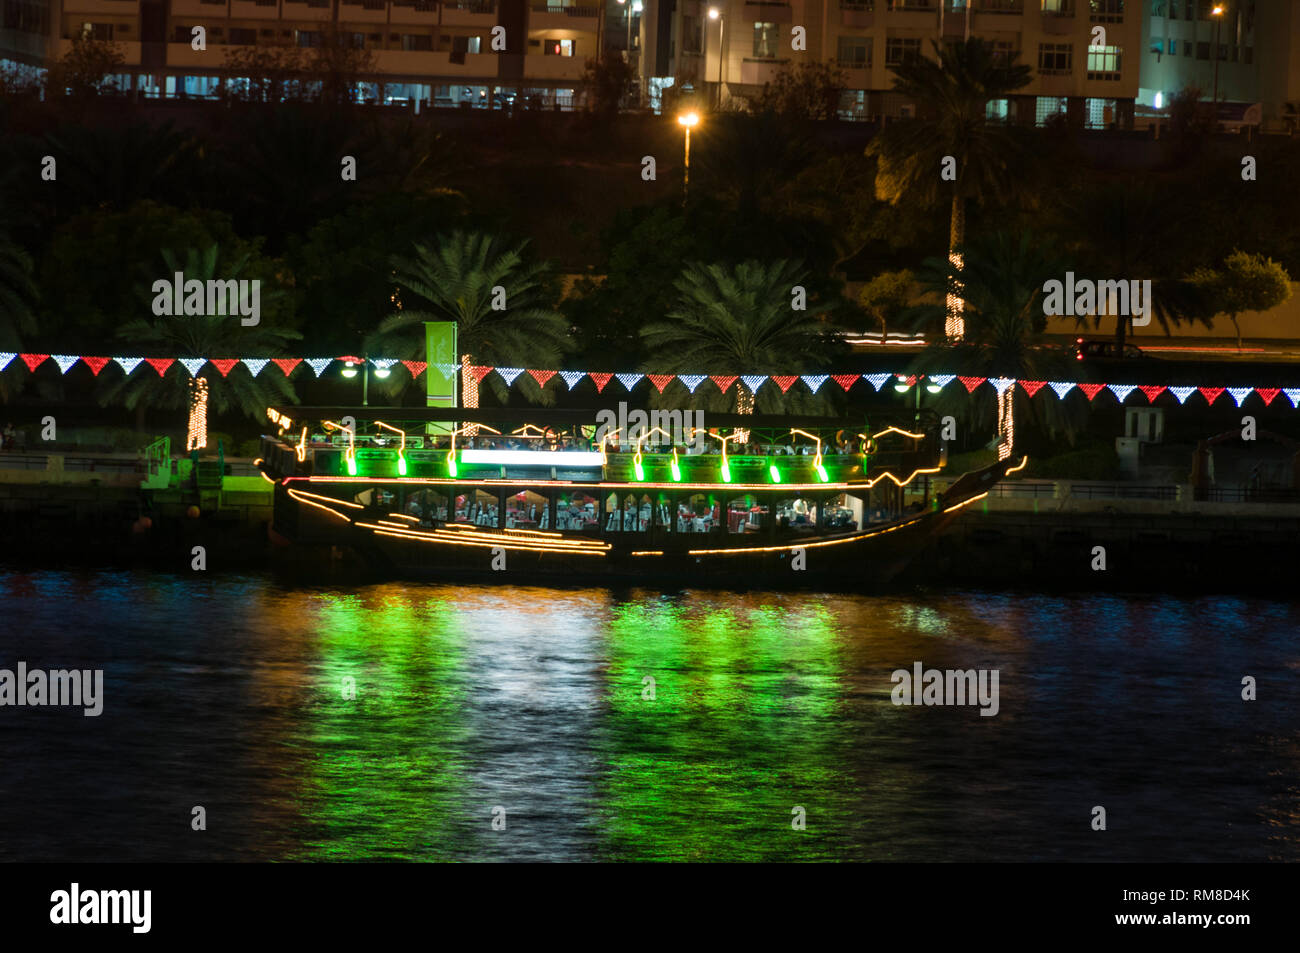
(629, 512)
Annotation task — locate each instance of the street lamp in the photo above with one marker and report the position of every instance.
(687, 121)
(716, 14)
(1217, 12)
(350, 370)
(628, 46)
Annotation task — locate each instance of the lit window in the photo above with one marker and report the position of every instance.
(558, 47)
(1104, 62)
(767, 37)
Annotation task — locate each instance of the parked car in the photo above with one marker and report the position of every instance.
(1108, 350)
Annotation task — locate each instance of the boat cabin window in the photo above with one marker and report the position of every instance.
(575, 510)
(427, 506)
(476, 507)
(745, 514)
(527, 510)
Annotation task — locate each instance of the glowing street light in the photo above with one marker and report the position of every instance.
(716, 14)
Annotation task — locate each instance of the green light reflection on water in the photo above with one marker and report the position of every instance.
(745, 722)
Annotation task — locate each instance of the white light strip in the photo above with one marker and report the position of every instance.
(533, 458)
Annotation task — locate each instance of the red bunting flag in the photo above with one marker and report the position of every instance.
(34, 361)
(160, 364)
(223, 364)
(415, 367)
(723, 381)
(1152, 391)
(1033, 387)
(542, 377)
(972, 382)
(286, 364)
(784, 382)
(480, 372)
(844, 380)
(660, 380)
(96, 364)
(352, 358)
(1092, 390)
(1211, 394)
(1268, 393)
(601, 380)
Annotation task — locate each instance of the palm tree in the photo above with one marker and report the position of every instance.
(209, 337)
(740, 320)
(952, 92)
(494, 297)
(1002, 278)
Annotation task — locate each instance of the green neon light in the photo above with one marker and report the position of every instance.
(352, 466)
(821, 472)
(776, 474)
(401, 466)
(640, 470)
(677, 472)
(451, 463)
(726, 473)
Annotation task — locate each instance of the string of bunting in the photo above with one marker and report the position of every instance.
(813, 382)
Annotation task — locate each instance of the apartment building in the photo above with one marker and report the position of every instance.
(1242, 51)
(1092, 83)
(438, 52)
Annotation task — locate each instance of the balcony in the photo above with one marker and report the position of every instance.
(481, 13)
(857, 74)
(421, 64)
(416, 12)
(183, 9)
(102, 6)
(758, 72)
(363, 11)
(184, 56)
(557, 16)
(251, 10)
(767, 11)
(300, 10)
(553, 68)
(857, 14)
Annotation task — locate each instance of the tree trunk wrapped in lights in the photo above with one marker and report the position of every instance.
(955, 326)
(1006, 422)
(197, 436)
(744, 406)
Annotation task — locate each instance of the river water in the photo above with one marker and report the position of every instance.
(532, 707)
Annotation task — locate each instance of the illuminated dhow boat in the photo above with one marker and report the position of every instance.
(555, 495)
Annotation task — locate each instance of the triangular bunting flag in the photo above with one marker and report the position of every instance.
(815, 381)
(1267, 393)
(96, 364)
(287, 364)
(65, 361)
(350, 357)
(160, 364)
(972, 382)
(724, 381)
(572, 377)
(255, 364)
(1092, 390)
(383, 363)
(629, 380)
(1122, 390)
(601, 380)
(1061, 387)
(480, 372)
(223, 364)
(1211, 394)
(1152, 391)
(129, 363)
(660, 380)
(508, 374)
(845, 380)
(753, 381)
(1240, 393)
(1293, 395)
(784, 382)
(416, 368)
(943, 380)
(5, 358)
(692, 381)
(1182, 393)
(193, 364)
(318, 364)
(448, 371)
(877, 380)
(33, 361)
(1000, 384)
(541, 376)
(1033, 387)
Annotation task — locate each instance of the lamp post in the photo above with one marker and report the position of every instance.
(628, 46)
(1217, 12)
(716, 14)
(350, 370)
(687, 122)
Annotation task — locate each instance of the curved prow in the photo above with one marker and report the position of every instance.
(977, 483)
